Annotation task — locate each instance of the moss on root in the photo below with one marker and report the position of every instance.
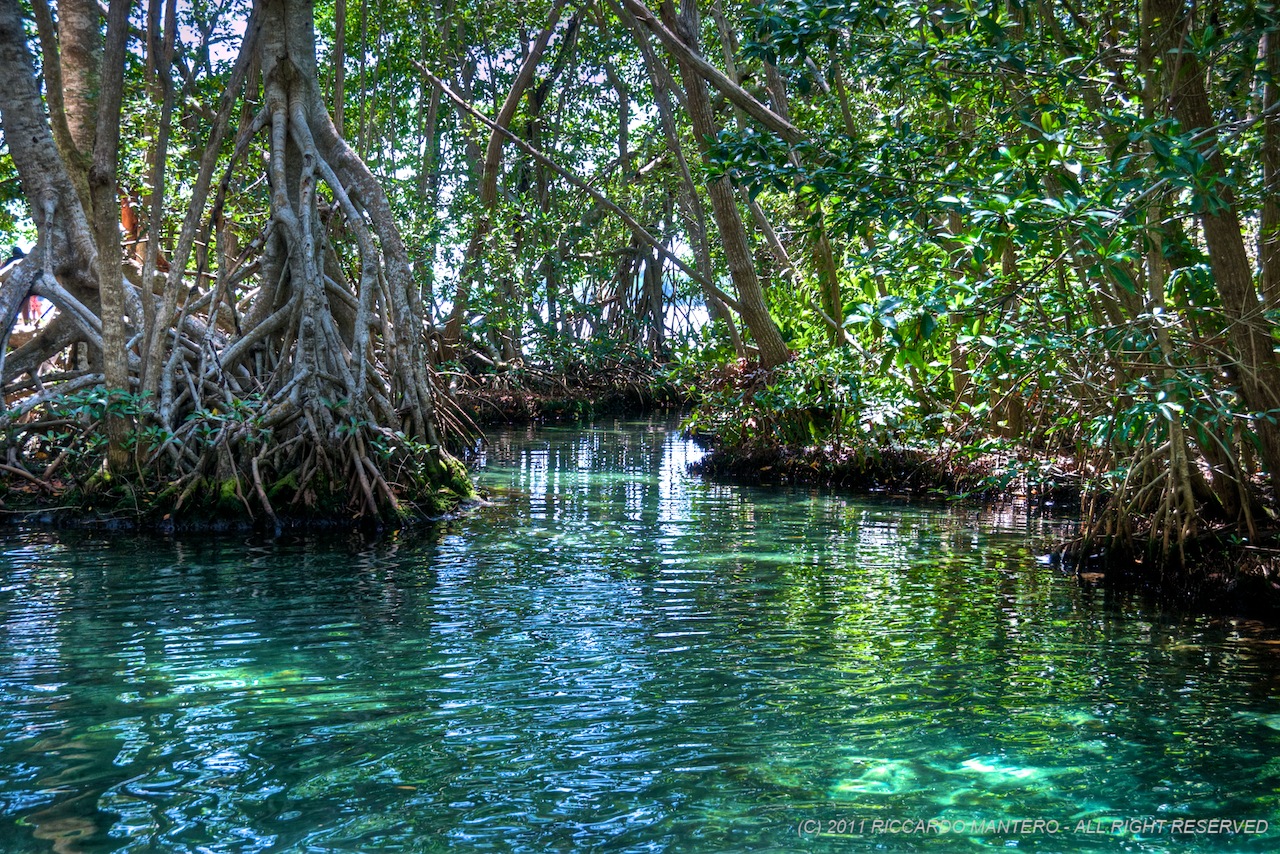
(455, 479)
(284, 489)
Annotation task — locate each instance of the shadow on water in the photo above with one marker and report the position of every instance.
(616, 655)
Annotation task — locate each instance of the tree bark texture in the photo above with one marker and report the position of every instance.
(328, 370)
(1249, 332)
(733, 234)
(106, 227)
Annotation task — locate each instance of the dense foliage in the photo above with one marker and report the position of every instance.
(1062, 224)
(1040, 233)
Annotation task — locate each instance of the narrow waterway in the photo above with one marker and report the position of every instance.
(619, 656)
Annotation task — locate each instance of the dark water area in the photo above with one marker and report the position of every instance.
(619, 656)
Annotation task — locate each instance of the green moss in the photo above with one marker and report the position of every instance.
(99, 481)
(457, 480)
(166, 496)
(285, 488)
(228, 501)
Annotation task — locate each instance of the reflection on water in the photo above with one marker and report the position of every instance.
(616, 655)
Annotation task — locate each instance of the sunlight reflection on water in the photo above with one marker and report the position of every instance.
(614, 655)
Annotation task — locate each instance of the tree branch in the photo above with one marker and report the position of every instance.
(735, 93)
(639, 230)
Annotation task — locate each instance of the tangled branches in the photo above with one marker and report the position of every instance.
(287, 378)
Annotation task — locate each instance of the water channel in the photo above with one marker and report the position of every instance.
(619, 656)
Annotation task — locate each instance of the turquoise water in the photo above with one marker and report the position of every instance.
(617, 656)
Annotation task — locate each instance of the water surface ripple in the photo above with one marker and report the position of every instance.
(617, 656)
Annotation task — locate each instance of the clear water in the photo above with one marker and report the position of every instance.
(616, 656)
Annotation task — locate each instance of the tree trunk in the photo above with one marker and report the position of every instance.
(695, 214)
(66, 248)
(452, 334)
(106, 227)
(324, 392)
(339, 64)
(160, 156)
(684, 45)
(80, 63)
(52, 67)
(1269, 233)
(751, 303)
(1249, 332)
